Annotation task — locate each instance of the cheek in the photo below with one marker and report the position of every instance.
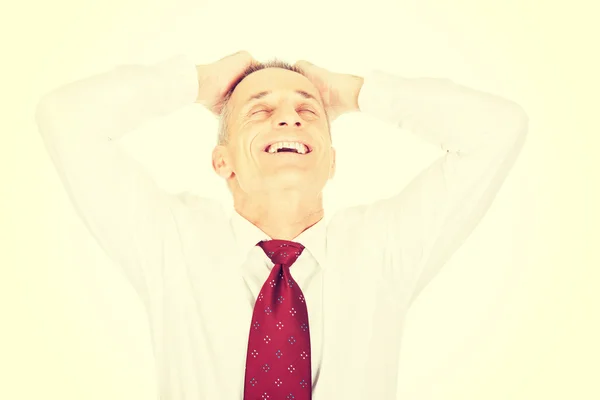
(242, 156)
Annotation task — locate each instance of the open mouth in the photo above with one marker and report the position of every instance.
(288, 147)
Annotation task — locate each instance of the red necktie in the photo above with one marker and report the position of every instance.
(278, 358)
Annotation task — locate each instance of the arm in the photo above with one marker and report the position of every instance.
(80, 124)
(481, 135)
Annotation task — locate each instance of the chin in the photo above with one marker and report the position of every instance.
(291, 179)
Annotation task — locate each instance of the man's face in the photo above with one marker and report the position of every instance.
(270, 108)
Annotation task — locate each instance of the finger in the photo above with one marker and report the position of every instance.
(303, 64)
(240, 53)
(244, 55)
(241, 56)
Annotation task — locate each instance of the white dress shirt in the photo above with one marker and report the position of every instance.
(196, 266)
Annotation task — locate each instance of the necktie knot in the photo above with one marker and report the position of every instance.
(281, 251)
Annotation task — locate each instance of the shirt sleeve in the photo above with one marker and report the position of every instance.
(481, 136)
(117, 200)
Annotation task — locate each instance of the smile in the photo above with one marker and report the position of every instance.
(288, 147)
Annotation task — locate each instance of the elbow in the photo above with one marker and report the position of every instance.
(51, 112)
(43, 112)
(520, 119)
(520, 127)
(46, 107)
(515, 115)
(507, 129)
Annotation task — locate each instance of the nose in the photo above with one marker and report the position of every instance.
(288, 117)
(289, 121)
(284, 123)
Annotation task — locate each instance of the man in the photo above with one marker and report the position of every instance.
(272, 303)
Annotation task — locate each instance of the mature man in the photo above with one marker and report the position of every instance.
(267, 301)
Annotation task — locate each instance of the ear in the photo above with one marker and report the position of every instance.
(221, 162)
(333, 164)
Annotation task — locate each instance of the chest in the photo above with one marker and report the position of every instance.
(356, 323)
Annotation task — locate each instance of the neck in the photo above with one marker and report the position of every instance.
(281, 216)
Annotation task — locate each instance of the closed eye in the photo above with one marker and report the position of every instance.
(303, 110)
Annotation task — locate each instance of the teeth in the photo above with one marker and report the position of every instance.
(300, 148)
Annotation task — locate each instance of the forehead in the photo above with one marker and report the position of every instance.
(276, 81)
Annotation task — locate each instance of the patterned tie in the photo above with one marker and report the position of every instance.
(278, 358)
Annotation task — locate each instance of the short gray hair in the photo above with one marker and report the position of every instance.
(223, 131)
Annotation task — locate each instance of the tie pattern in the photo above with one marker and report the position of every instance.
(278, 364)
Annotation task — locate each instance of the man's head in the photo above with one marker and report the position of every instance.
(272, 103)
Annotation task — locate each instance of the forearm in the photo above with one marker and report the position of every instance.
(110, 104)
(454, 117)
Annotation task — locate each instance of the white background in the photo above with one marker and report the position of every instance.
(513, 315)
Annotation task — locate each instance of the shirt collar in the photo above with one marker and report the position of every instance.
(247, 235)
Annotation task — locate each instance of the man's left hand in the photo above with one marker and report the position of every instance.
(338, 91)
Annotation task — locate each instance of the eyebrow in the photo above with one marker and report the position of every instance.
(260, 95)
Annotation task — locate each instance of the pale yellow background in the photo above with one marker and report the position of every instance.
(514, 314)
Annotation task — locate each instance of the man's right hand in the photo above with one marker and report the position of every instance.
(215, 79)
